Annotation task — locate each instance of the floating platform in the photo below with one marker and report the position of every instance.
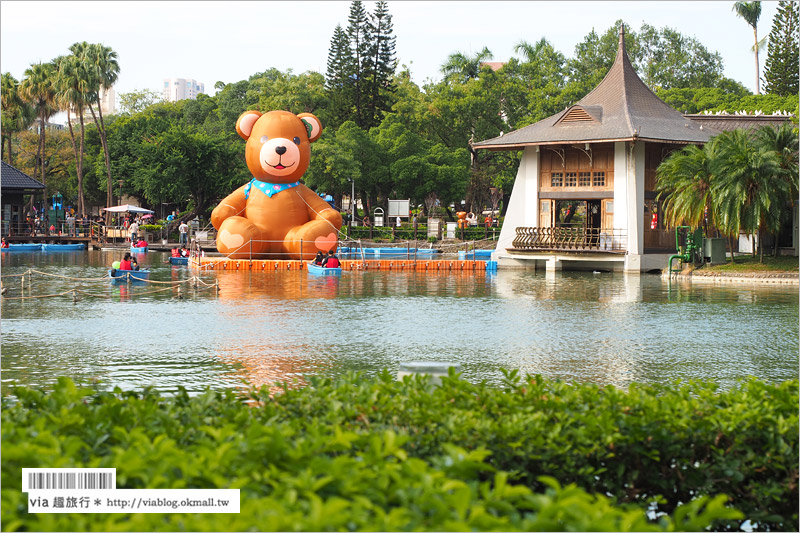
(347, 265)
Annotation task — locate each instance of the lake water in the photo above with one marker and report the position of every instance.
(279, 326)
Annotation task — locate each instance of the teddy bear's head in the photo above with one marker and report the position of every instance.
(278, 143)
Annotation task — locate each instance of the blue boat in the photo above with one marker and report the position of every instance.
(179, 260)
(317, 270)
(137, 250)
(123, 275)
(63, 247)
(26, 247)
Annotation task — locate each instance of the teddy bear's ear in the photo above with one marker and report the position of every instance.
(244, 125)
(313, 125)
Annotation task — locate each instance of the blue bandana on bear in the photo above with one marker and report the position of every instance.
(268, 188)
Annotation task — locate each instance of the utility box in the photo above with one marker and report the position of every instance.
(435, 228)
(714, 250)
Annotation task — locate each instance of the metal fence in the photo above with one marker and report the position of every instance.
(576, 239)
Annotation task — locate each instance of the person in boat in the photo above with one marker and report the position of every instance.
(5, 244)
(128, 262)
(331, 261)
(320, 257)
(141, 243)
(184, 252)
(176, 252)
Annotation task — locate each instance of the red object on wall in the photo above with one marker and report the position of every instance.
(654, 222)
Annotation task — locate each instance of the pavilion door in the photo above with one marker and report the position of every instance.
(607, 214)
(545, 213)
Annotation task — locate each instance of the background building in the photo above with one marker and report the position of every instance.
(107, 101)
(182, 89)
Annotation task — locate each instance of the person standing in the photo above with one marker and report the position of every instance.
(134, 227)
(71, 224)
(183, 229)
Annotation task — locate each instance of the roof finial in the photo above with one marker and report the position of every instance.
(622, 36)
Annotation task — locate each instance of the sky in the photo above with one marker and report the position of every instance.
(212, 41)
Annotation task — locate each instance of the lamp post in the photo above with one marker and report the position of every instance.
(352, 202)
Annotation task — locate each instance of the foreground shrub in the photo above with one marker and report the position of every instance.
(385, 455)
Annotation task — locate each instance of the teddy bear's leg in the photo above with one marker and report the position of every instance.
(238, 238)
(316, 236)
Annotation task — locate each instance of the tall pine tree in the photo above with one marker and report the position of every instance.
(781, 69)
(383, 63)
(339, 78)
(358, 30)
(361, 65)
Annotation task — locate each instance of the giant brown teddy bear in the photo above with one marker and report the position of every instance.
(274, 215)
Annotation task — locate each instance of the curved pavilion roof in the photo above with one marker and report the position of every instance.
(620, 108)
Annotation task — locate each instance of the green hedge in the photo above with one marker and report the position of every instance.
(357, 454)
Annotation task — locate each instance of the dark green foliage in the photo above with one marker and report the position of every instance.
(781, 74)
(359, 454)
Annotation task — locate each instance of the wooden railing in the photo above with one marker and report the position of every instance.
(577, 239)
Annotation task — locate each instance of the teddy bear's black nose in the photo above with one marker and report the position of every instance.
(280, 150)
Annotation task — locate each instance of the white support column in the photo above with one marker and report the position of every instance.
(553, 264)
(636, 199)
(523, 204)
(620, 186)
(629, 199)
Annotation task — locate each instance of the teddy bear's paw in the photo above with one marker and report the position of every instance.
(231, 241)
(326, 242)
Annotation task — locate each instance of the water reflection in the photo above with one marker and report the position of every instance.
(274, 327)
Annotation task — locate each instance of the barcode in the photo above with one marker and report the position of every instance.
(68, 478)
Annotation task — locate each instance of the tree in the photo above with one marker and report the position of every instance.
(358, 32)
(37, 88)
(383, 63)
(339, 77)
(138, 100)
(101, 62)
(670, 59)
(74, 82)
(749, 188)
(751, 12)
(17, 115)
(301, 93)
(683, 182)
(185, 162)
(783, 142)
(781, 75)
(461, 67)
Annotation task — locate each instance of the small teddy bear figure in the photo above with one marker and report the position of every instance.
(274, 215)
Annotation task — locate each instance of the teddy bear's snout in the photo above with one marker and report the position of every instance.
(280, 150)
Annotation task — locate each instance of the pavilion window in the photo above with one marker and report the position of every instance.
(556, 179)
(584, 179)
(599, 179)
(571, 179)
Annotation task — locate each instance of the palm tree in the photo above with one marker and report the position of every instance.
(751, 12)
(37, 88)
(17, 115)
(532, 52)
(73, 86)
(462, 67)
(104, 60)
(749, 188)
(783, 141)
(683, 182)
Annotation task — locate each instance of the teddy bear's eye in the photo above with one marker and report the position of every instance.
(264, 139)
(296, 140)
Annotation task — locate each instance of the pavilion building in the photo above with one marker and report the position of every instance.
(584, 196)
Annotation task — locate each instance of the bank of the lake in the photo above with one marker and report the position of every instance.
(781, 270)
